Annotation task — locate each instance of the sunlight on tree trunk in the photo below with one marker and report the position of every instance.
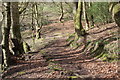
(26, 47)
(5, 41)
(32, 25)
(37, 17)
(62, 13)
(85, 15)
(1, 22)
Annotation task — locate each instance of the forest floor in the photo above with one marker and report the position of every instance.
(50, 58)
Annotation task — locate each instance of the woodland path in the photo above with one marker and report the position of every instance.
(62, 61)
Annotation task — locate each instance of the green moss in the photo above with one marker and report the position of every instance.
(104, 50)
(116, 9)
(104, 57)
(109, 57)
(70, 37)
(54, 67)
(72, 77)
(22, 72)
(43, 52)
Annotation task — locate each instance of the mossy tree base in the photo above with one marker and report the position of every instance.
(95, 49)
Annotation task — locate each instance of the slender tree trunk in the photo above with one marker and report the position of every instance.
(62, 13)
(89, 4)
(32, 25)
(39, 25)
(1, 21)
(85, 15)
(78, 20)
(16, 35)
(5, 41)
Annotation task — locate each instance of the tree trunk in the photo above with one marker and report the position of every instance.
(92, 20)
(116, 13)
(16, 35)
(78, 20)
(5, 41)
(32, 25)
(39, 25)
(85, 15)
(80, 34)
(1, 20)
(62, 13)
(75, 10)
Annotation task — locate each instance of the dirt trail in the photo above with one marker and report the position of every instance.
(63, 61)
